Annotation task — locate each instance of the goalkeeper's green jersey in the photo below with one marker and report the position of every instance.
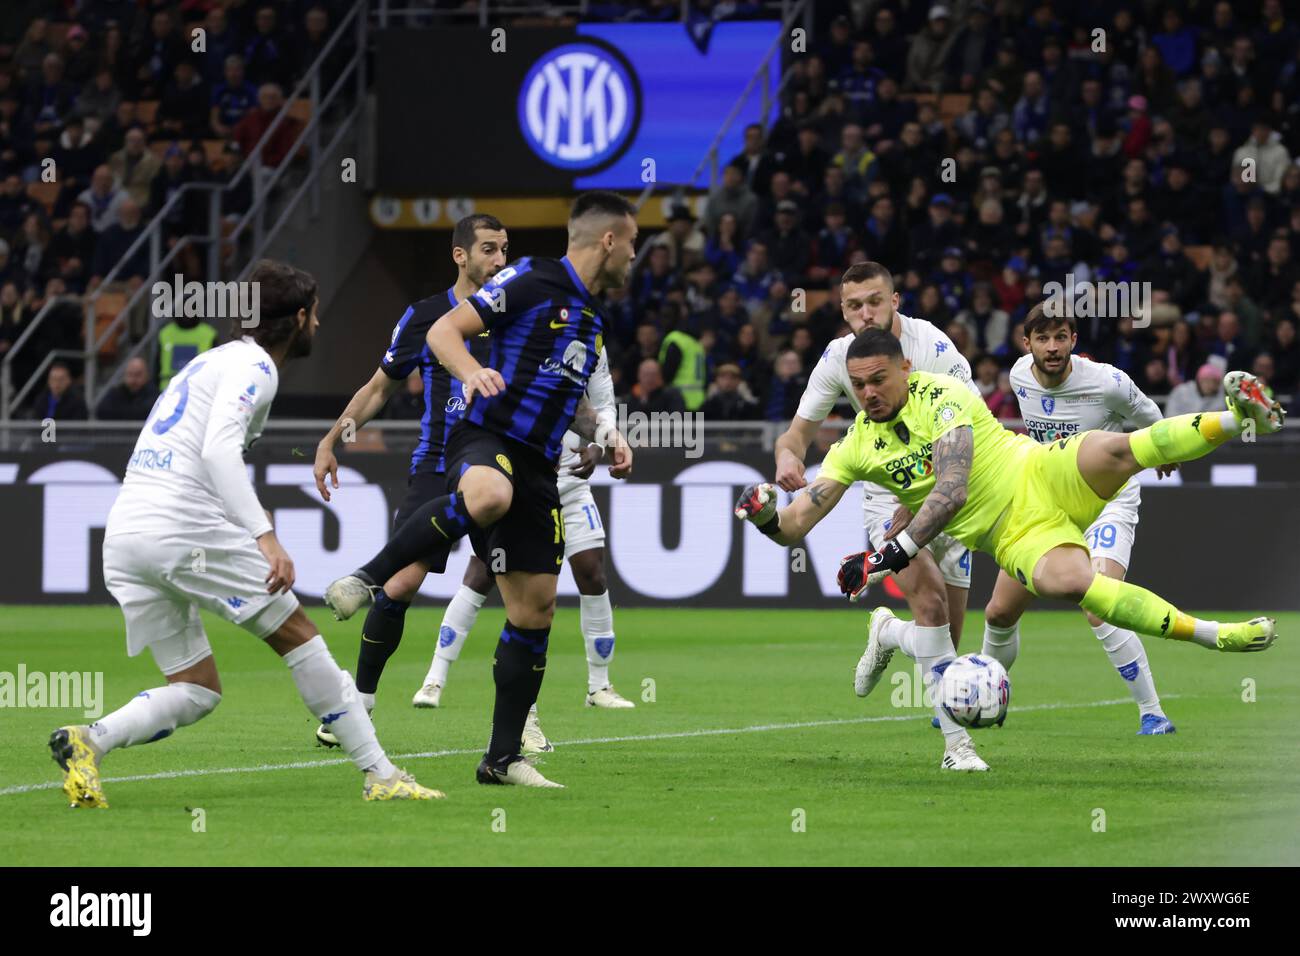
(897, 454)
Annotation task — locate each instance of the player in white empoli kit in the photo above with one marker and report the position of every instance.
(584, 549)
(937, 581)
(187, 532)
(1060, 395)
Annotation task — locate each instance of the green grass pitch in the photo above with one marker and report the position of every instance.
(754, 751)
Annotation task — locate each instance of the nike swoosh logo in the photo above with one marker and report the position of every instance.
(369, 641)
(558, 325)
(436, 528)
(536, 668)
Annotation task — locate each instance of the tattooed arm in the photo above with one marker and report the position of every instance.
(584, 420)
(807, 509)
(952, 456)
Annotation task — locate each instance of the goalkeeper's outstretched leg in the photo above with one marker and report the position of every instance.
(1106, 460)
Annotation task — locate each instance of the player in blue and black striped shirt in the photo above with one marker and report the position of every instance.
(546, 335)
(479, 245)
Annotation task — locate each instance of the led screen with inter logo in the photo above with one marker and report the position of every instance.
(595, 106)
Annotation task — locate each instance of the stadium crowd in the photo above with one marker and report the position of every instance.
(115, 94)
(980, 151)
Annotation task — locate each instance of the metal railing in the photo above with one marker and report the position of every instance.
(401, 13)
(263, 187)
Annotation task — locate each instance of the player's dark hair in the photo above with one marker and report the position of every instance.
(466, 231)
(873, 341)
(866, 271)
(1042, 319)
(601, 201)
(282, 290)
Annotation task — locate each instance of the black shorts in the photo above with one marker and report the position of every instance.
(531, 535)
(423, 486)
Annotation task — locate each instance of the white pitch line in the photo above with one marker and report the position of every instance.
(428, 754)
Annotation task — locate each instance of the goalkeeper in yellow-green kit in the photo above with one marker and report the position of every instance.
(957, 470)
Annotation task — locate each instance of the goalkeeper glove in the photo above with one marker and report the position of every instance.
(757, 504)
(859, 571)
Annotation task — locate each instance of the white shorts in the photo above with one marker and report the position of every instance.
(163, 580)
(583, 529)
(1112, 534)
(951, 555)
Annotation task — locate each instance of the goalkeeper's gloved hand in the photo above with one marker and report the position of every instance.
(757, 503)
(859, 571)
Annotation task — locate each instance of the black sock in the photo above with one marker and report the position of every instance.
(379, 638)
(436, 523)
(517, 670)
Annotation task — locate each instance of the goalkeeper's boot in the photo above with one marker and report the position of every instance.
(325, 736)
(400, 786)
(1245, 398)
(874, 660)
(533, 740)
(430, 695)
(78, 758)
(516, 772)
(1153, 724)
(1257, 634)
(349, 594)
(961, 755)
(608, 697)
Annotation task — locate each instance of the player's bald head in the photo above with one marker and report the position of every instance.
(596, 214)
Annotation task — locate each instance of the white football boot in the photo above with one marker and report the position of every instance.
(348, 595)
(961, 755)
(608, 697)
(430, 695)
(533, 740)
(874, 660)
(519, 773)
(1245, 398)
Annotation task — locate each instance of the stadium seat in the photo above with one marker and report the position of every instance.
(952, 105)
(107, 308)
(300, 109)
(146, 111)
(816, 299)
(1200, 255)
(213, 149)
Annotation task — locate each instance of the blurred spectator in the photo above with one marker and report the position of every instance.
(134, 166)
(1002, 400)
(72, 250)
(179, 341)
(113, 244)
(1262, 368)
(14, 206)
(682, 364)
(651, 395)
(249, 131)
(51, 97)
(222, 42)
(733, 196)
(1286, 357)
(1203, 394)
(14, 316)
(986, 324)
(754, 159)
(985, 375)
(59, 400)
(133, 399)
(645, 346)
(155, 56)
(1155, 378)
(183, 112)
(267, 56)
(76, 154)
(788, 247)
(729, 397)
(684, 242)
(100, 97)
(784, 388)
(928, 54)
(31, 250)
(1266, 153)
(232, 98)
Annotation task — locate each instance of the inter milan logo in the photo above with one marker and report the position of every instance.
(1049, 403)
(577, 106)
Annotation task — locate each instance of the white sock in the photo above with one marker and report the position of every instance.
(152, 715)
(457, 622)
(927, 646)
(598, 634)
(329, 693)
(1228, 422)
(1206, 633)
(1127, 653)
(1001, 643)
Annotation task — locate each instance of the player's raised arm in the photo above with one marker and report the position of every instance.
(446, 340)
(952, 456)
(757, 505)
(369, 399)
(791, 448)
